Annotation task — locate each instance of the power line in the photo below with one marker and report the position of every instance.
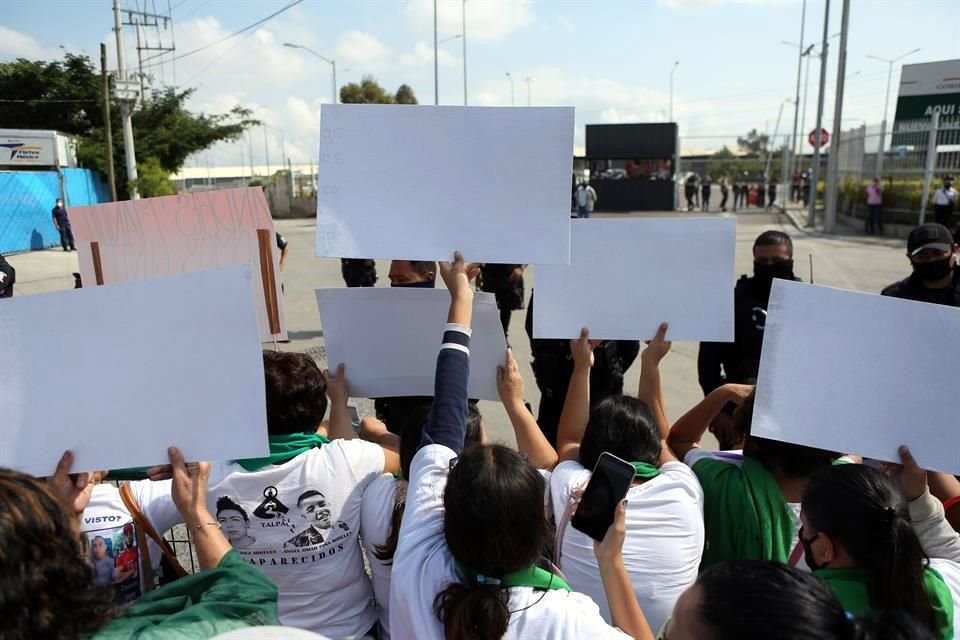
(224, 39)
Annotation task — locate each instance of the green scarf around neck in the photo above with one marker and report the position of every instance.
(745, 515)
(645, 471)
(533, 577)
(850, 587)
(284, 448)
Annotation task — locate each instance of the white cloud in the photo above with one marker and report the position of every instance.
(423, 54)
(14, 44)
(487, 20)
(362, 49)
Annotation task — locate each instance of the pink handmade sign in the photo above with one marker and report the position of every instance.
(155, 237)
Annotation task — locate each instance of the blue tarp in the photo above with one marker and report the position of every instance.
(27, 197)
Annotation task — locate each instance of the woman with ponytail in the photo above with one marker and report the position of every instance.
(468, 562)
(857, 537)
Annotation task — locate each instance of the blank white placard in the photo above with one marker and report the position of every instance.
(389, 339)
(418, 182)
(121, 372)
(625, 277)
(860, 373)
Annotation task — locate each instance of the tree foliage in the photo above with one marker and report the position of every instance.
(754, 142)
(153, 180)
(369, 91)
(67, 95)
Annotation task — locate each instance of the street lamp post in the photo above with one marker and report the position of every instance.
(886, 105)
(332, 63)
(510, 78)
(529, 82)
(675, 65)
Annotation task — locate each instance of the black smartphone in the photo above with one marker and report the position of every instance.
(608, 485)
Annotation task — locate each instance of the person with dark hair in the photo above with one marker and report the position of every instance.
(705, 186)
(690, 190)
(358, 273)
(724, 193)
(413, 273)
(857, 537)
(751, 501)
(303, 499)
(736, 193)
(874, 221)
(739, 361)
(467, 563)
(771, 192)
(944, 201)
(553, 365)
(757, 600)
(48, 588)
(8, 276)
(932, 252)
(235, 523)
(664, 539)
(62, 223)
(505, 281)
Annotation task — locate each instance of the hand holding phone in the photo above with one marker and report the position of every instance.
(608, 486)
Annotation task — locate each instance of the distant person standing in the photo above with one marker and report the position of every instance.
(62, 222)
(945, 202)
(586, 200)
(8, 275)
(771, 193)
(690, 190)
(724, 193)
(805, 187)
(705, 193)
(795, 181)
(736, 193)
(874, 206)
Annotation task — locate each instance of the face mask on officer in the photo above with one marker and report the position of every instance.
(934, 270)
(765, 273)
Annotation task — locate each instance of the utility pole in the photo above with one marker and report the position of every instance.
(529, 82)
(672, 71)
(126, 108)
(436, 52)
(510, 78)
(812, 216)
(266, 149)
(464, 30)
(796, 104)
(107, 125)
(136, 27)
(833, 167)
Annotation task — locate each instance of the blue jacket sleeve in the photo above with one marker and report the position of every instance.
(447, 422)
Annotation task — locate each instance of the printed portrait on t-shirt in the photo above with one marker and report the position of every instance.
(315, 511)
(115, 559)
(234, 523)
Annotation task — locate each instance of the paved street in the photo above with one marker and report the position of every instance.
(847, 260)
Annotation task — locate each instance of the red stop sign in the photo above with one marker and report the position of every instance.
(824, 138)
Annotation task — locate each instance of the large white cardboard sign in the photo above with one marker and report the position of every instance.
(860, 373)
(389, 338)
(417, 182)
(155, 237)
(117, 374)
(625, 277)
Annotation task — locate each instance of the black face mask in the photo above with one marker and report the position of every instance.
(767, 272)
(807, 544)
(931, 271)
(426, 284)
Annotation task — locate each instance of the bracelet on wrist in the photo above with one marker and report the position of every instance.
(195, 529)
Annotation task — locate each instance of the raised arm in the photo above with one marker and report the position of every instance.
(340, 428)
(651, 389)
(576, 407)
(936, 536)
(625, 611)
(530, 439)
(447, 422)
(687, 431)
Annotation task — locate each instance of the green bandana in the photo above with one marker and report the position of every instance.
(284, 448)
(745, 514)
(533, 577)
(850, 587)
(645, 471)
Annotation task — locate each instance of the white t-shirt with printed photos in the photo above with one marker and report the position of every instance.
(299, 522)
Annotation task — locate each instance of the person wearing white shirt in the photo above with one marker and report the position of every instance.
(945, 203)
(466, 564)
(586, 200)
(297, 511)
(665, 533)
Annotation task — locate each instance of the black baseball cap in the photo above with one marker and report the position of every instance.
(929, 236)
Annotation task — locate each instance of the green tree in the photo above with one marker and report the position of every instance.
(153, 180)
(369, 91)
(67, 96)
(754, 142)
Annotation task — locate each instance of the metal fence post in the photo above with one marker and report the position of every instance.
(931, 163)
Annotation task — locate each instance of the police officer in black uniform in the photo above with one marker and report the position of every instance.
(358, 272)
(8, 275)
(553, 366)
(936, 277)
(738, 361)
(505, 281)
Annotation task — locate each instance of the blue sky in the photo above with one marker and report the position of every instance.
(611, 59)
